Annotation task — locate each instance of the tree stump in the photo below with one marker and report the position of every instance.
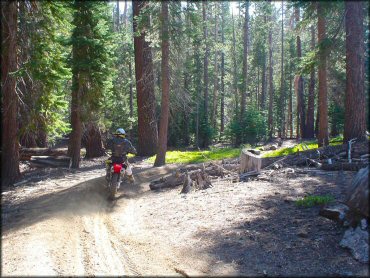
(249, 162)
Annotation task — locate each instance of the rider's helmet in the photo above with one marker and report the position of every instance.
(120, 132)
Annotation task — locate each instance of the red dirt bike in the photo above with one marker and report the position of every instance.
(115, 174)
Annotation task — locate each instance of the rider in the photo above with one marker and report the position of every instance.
(120, 147)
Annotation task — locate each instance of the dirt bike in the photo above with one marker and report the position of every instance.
(114, 177)
(116, 172)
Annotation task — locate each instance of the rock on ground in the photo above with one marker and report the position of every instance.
(357, 241)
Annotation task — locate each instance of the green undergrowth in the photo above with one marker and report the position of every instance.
(199, 156)
(313, 200)
(307, 145)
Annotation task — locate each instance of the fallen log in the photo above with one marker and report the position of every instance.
(27, 153)
(49, 161)
(245, 176)
(345, 166)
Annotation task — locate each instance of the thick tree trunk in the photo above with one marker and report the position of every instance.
(310, 131)
(74, 148)
(10, 146)
(245, 61)
(165, 109)
(323, 136)
(355, 121)
(301, 115)
(94, 143)
(271, 85)
(147, 123)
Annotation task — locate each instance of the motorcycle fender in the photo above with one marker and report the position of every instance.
(117, 168)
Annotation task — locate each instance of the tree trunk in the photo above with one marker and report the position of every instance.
(42, 137)
(94, 143)
(310, 130)
(323, 136)
(263, 89)
(235, 70)
(74, 148)
(282, 90)
(205, 140)
(117, 16)
(125, 13)
(300, 95)
(245, 62)
(271, 86)
(290, 108)
(10, 145)
(147, 123)
(215, 83)
(163, 126)
(355, 115)
(222, 127)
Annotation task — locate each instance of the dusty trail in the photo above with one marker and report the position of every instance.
(70, 228)
(66, 226)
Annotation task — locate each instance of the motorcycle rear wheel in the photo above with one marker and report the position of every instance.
(114, 185)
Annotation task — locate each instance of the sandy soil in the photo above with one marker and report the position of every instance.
(64, 225)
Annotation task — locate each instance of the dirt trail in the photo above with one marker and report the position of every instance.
(66, 226)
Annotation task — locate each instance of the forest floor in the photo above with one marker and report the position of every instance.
(63, 224)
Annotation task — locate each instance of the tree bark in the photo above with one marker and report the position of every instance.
(163, 126)
(10, 146)
(310, 132)
(355, 115)
(323, 136)
(147, 123)
(74, 148)
(245, 61)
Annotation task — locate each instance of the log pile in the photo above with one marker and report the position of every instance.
(330, 158)
(250, 164)
(196, 176)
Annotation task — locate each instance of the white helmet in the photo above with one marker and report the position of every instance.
(120, 132)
